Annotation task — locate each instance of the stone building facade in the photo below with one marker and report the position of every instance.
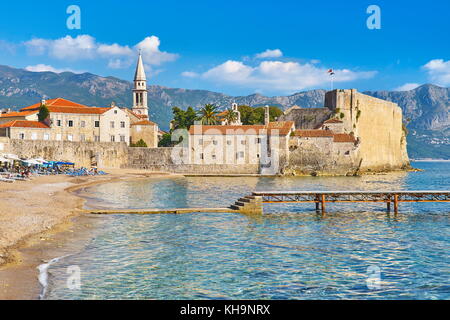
(71, 121)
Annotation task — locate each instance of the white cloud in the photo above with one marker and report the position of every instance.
(438, 71)
(407, 87)
(47, 68)
(67, 48)
(276, 53)
(279, 75)
(87, 47)
(151, 53)
(114, 50)
(189, 74)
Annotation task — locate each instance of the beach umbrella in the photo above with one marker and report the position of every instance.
(11, 157)
(3, 159)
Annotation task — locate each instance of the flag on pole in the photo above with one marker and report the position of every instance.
(330, 72)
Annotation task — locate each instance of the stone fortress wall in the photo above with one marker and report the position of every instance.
(378, 126)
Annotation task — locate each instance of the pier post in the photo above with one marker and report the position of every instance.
(322, 201)
(389, 205)
(317, 203)
(396, 203)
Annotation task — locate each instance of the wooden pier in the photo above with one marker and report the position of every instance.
(321, 198)
(253, 204)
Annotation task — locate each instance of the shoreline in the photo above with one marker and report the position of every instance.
(32, 234)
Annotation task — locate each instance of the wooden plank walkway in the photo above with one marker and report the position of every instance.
(158, 211)
(320, 198)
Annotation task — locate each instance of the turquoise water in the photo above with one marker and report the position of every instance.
(288, 253)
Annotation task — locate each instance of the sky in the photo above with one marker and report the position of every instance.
(235, 47)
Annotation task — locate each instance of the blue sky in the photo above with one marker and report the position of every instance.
(236, 47)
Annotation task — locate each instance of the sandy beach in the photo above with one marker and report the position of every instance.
(37, 219)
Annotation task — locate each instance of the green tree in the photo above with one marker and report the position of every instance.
(257, 115)
(183, 119)
(231, 116)
(246, 112)
(208, 114)
(44, 113)
(140, 144)
(166, 140)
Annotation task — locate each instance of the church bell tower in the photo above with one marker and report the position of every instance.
(140, 104)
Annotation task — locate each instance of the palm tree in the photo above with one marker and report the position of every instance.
(208, 114)
(231, 116)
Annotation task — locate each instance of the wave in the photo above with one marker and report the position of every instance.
(43, 274)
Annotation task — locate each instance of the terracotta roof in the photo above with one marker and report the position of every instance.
(274, 128)
(333, 121)
(24, 124)
(313, 133)
(17, 114)
(81, 110)
(144, 123)
(58, 102)
(139, 116)
(344, 137)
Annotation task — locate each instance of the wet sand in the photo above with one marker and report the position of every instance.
(42, 219)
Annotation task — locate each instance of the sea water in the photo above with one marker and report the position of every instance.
(357, 251)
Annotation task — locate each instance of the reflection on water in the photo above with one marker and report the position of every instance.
(289, 253)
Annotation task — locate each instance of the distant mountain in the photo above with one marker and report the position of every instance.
(427, 107)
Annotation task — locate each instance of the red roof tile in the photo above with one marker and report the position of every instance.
(17, 114)
(24, 124)
(344, 137)
(274, 128)
(333, 121)
(58, 102)
(314, 133)
(81, 110)
(144, 123)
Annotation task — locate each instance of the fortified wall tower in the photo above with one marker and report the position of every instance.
(378, 126)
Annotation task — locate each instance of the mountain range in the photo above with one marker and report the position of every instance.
(426, 109)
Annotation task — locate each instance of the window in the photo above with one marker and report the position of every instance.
(58, 136)
(83, 124)
(240, 154)
(46, 136)
(202, 156)
(258, 140)
(82, 138)
(229, 142)
(214, 157)
(70, 123)
(70, 137)
(215, 142)
(243, 142)
(112, 124)
(122, 138)
(115, 111)
(97, 124)
(122, 124)
(200, 142)
(113, 138)
(22, 136)
(97, 138)
(257, 155)
(34, 136)
(58, 123)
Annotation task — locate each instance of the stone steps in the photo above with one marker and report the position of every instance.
(248, 204)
